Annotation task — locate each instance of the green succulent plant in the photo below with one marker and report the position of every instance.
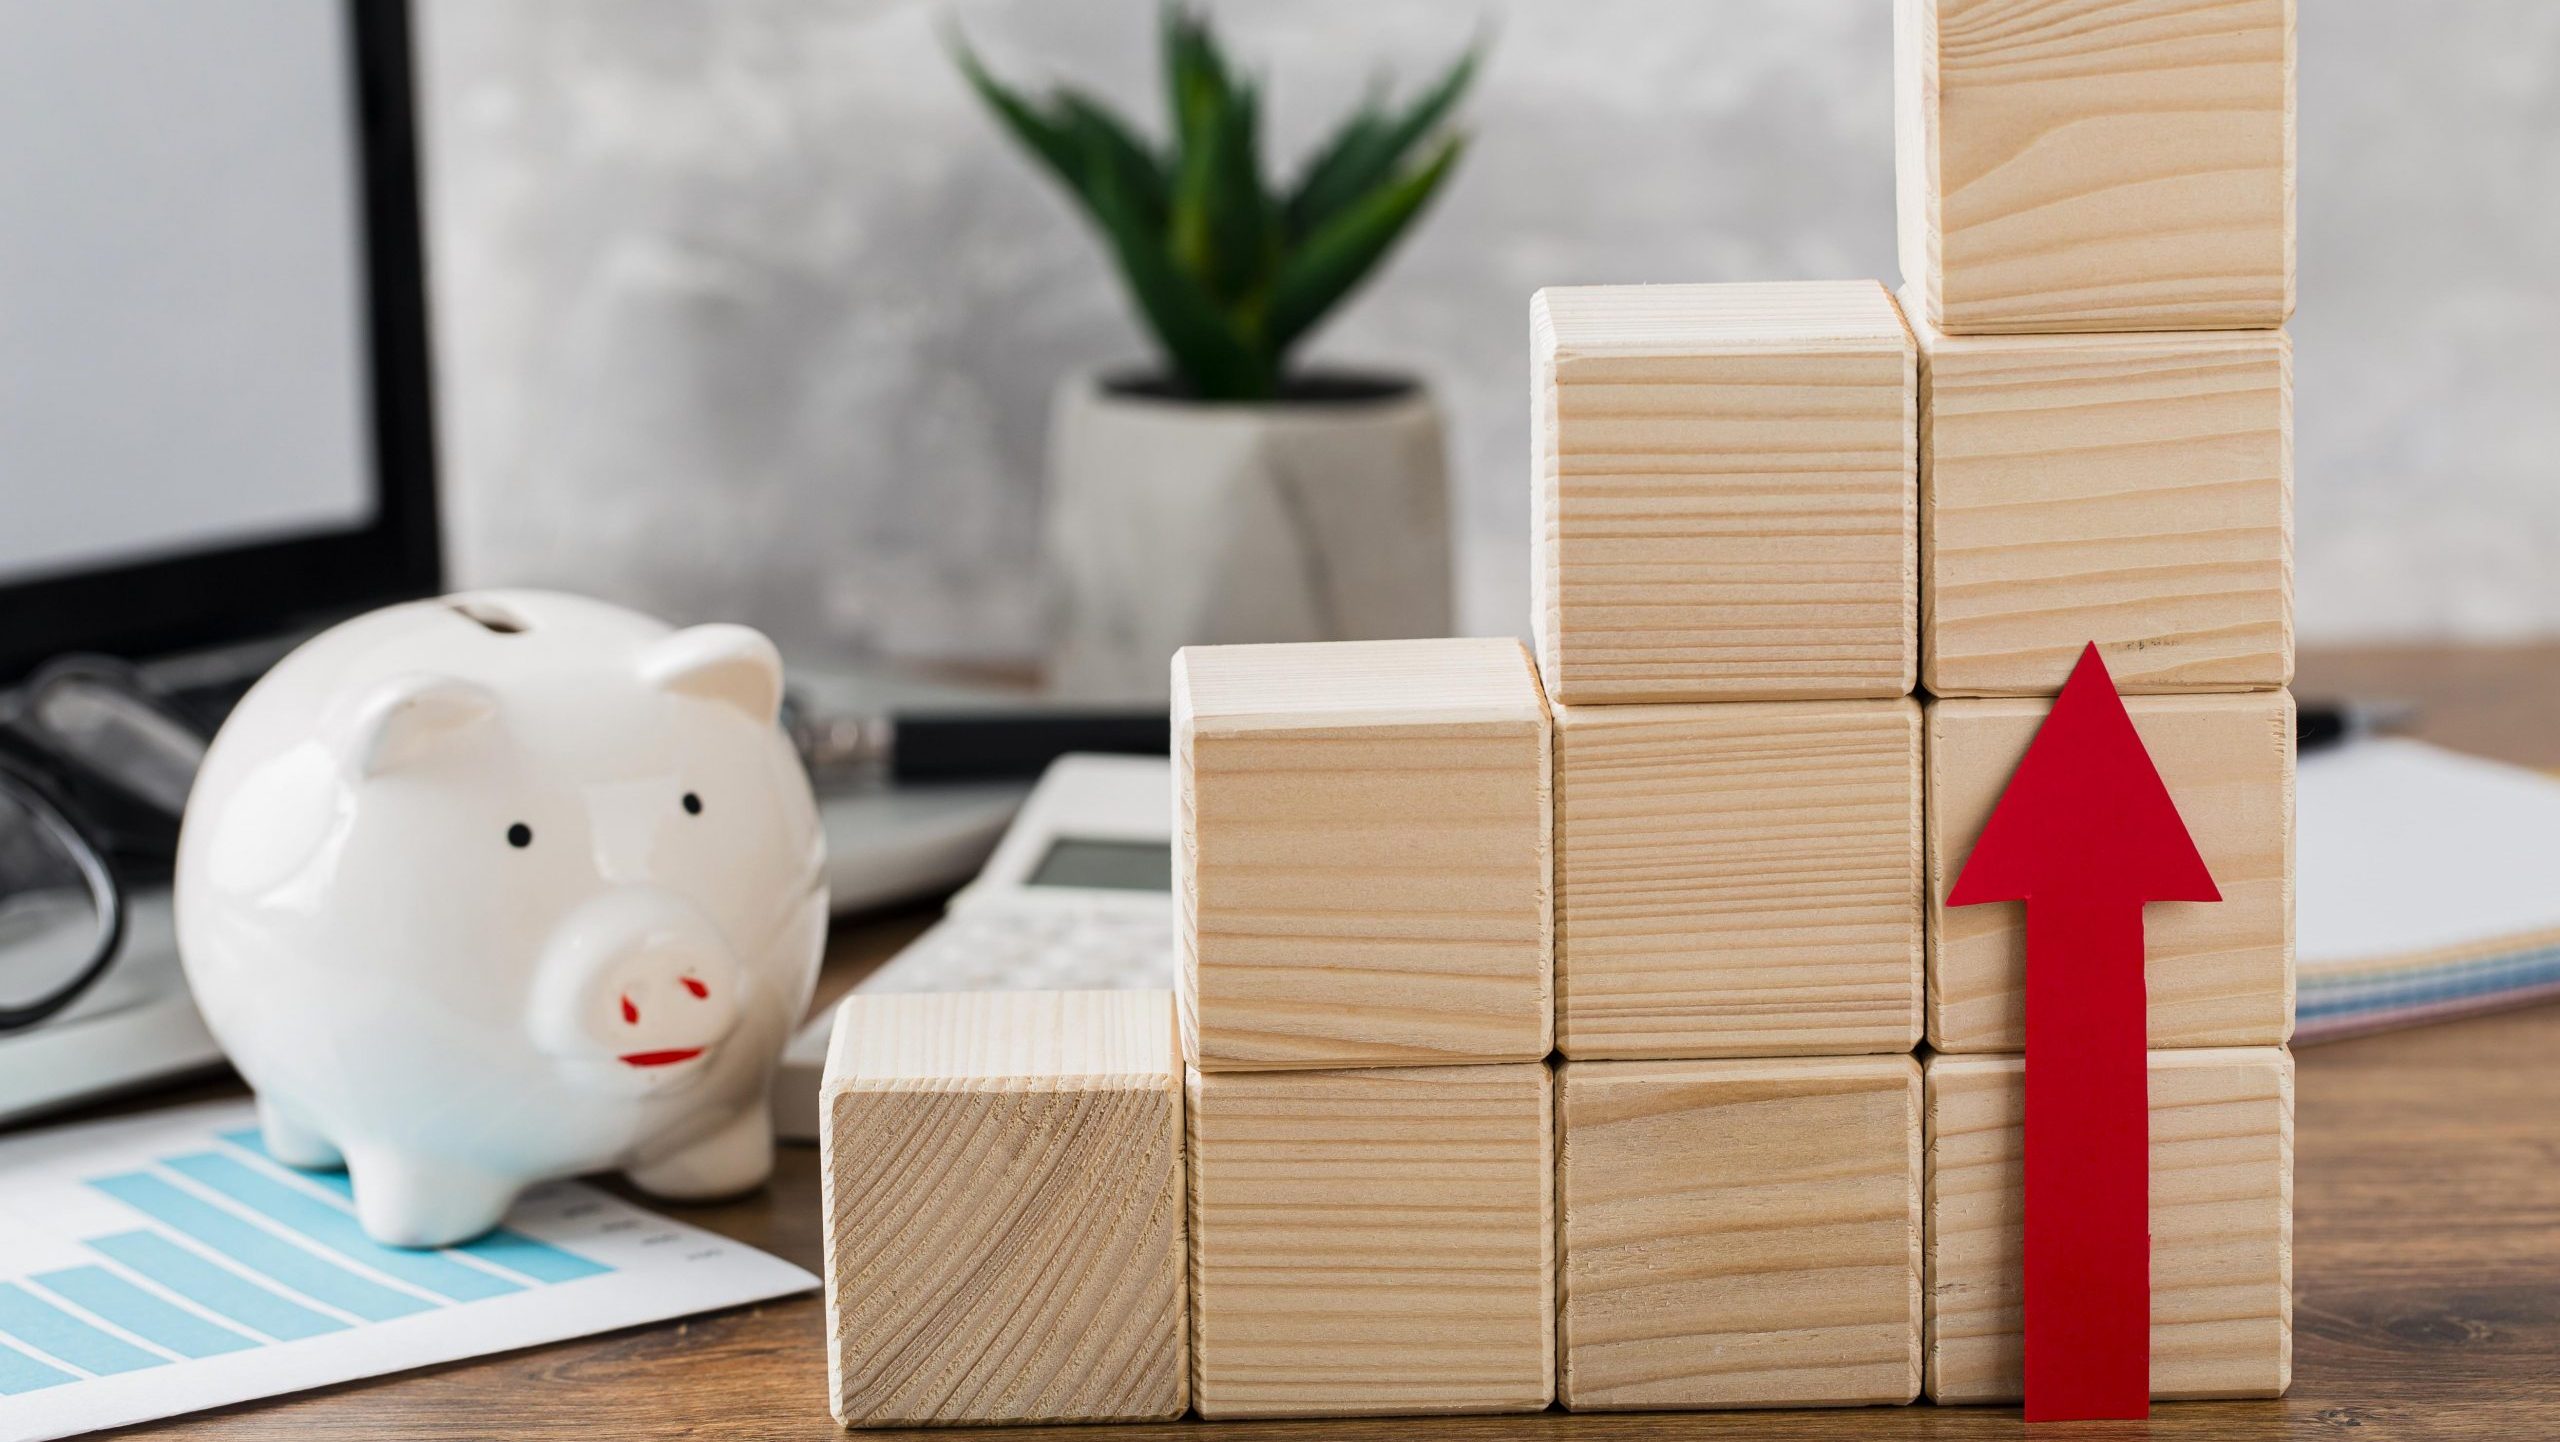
(1230, 273)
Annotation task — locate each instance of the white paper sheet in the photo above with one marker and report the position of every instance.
(161, 1264)
(2404, 848)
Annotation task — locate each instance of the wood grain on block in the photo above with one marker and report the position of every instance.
(2088, 165)
(2221, 1224)
(2217, 973)
(1361, 856)
(1738, 880)
(1738, 1233)
(2135, 490)
(1725, 490)
(1002, 1180)
(1372, 1242)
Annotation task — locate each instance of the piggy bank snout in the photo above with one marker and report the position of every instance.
(639, 978)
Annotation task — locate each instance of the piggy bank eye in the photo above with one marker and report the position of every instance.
(519, 836)
(692, 804)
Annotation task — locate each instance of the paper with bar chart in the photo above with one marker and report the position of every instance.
(165, 1263)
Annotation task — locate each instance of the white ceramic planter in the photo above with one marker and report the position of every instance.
(1173, 523)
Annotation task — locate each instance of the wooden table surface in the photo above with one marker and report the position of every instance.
(2426, 1255)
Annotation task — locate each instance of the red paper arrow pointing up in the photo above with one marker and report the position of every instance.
(2084, 835)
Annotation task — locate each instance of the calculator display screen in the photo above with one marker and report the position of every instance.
(1117, 865)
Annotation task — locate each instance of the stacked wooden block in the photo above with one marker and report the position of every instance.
(1001, 1177)
(1361, 885)
(1546, 1025)
(2097, 245)
(1726, 607)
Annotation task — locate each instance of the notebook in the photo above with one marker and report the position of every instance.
(2427, 885)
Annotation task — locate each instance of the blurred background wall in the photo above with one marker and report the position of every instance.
(745, 308)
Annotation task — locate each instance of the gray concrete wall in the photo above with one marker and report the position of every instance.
(746, 309)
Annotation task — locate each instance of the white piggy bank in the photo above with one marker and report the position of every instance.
(502, 887)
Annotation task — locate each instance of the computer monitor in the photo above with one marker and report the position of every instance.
(215, 419)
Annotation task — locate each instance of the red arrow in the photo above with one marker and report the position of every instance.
(2084, 835)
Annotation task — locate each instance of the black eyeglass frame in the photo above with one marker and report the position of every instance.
(33, 791)
(112, 836)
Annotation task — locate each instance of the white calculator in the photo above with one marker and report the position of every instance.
(1078, 896)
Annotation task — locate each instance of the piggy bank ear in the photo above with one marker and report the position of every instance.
(407, 718)
(733, 665)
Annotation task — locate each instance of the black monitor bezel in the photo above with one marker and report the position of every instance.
(153, 606)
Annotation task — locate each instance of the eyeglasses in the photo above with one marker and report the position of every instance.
(94, 769)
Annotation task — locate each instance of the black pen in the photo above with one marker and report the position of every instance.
(928, 744)
(2318, 725)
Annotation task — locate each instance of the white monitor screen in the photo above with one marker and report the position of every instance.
(182, 311)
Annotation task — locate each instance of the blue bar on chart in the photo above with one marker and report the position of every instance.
(162, 1323)
(541, 1261)
(55, 1332)
(253, 1247)
(514, 1251)
(214, 1287)
(22, 1373)
(336, 1229)
(254, 1142)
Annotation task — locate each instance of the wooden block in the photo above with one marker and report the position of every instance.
(2221, 1224)
(1002, 1181)
(2087, 165)
(1726, 479)
(1361, 858)
(1739, 1233)
(1738, 880)
(2135, 490)
(2218, 973)
(1372, 1242)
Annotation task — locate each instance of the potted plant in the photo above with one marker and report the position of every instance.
(1227, 494)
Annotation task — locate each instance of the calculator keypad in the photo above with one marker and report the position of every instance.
(1043, 949)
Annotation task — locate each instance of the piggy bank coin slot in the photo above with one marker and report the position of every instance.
(490, 616)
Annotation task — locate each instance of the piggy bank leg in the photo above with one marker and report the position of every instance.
(293, 1141)
(412, 1201)
(735, 1158)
